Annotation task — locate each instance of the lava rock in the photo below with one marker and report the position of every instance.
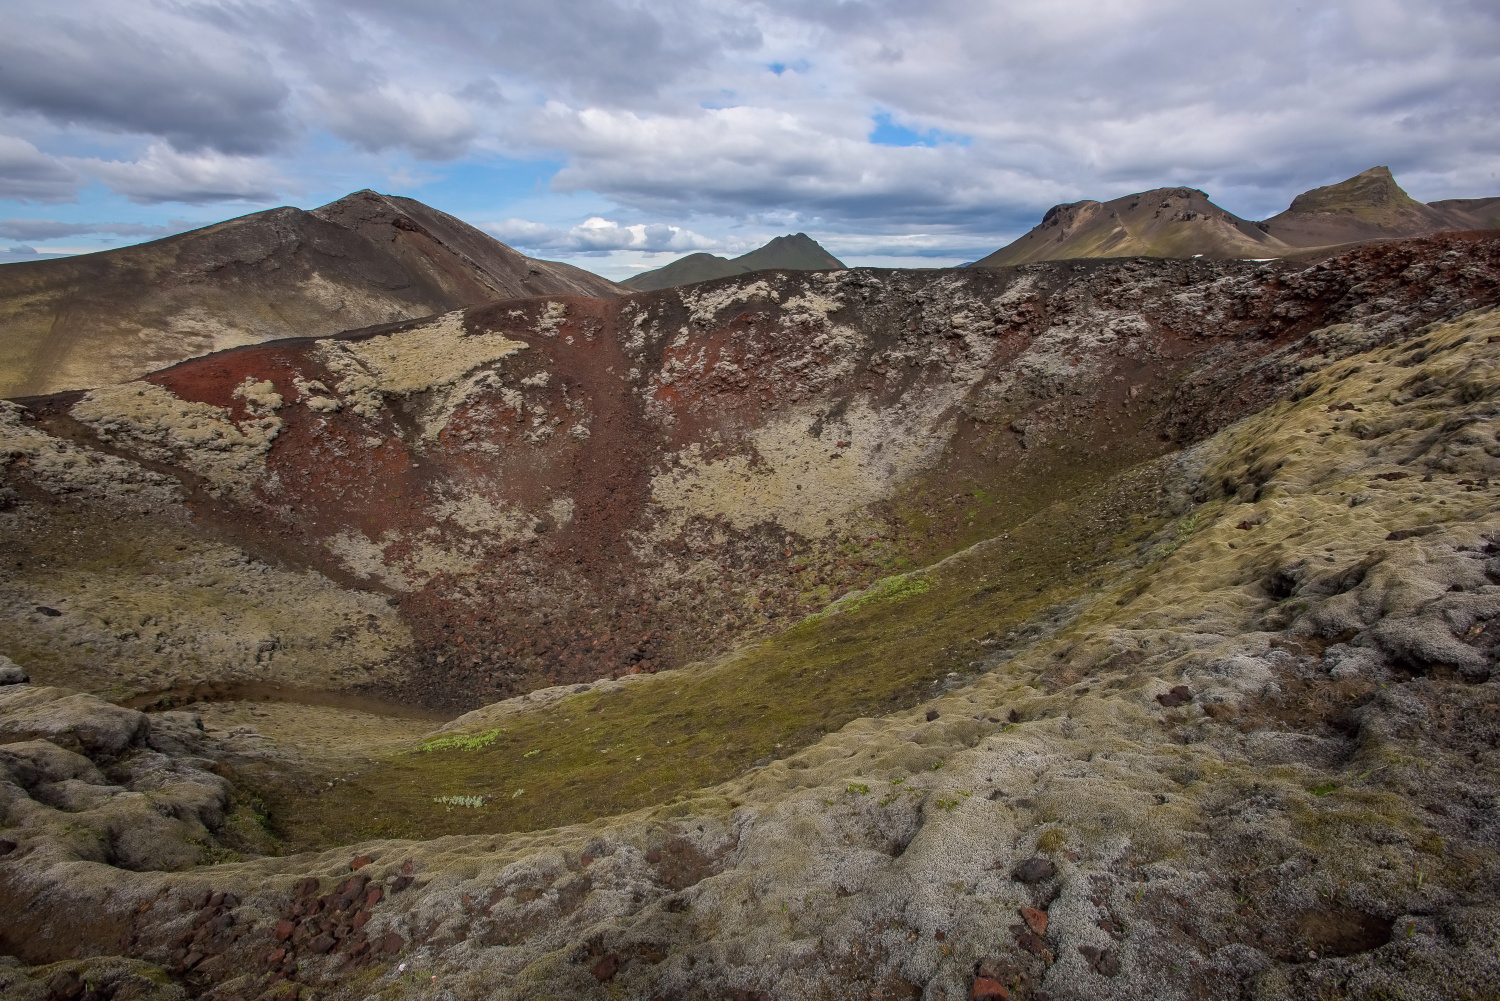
(1035, 919)
(1033, 870)
(1176, 697)
(606, 968)
(1101, 961)
(985, 989)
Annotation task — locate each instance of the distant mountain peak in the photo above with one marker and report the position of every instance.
(792, 252)
(1374, 189)
(1183, 222)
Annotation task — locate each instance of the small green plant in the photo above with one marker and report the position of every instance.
(1324, 789)
(884, 591)
(897, 781)
(462, 742)
(858, 787)
(532, 753)
(936, 765)
(472, 802)
(946, 804)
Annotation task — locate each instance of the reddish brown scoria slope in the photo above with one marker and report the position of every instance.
(558, 489)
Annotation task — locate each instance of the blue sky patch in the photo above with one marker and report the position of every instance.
(888, 133)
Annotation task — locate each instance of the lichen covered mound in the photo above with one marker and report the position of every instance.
(1251, 753)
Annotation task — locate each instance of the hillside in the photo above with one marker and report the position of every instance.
(1165, 222)
(1100, 629)
(796, 252)
(1368, 206)
(1182, 222)
(366, 259)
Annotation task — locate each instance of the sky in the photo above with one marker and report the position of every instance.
(621, 134)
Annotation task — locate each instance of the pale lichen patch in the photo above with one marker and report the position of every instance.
(807, 483)
(203, 437)
(437, 354)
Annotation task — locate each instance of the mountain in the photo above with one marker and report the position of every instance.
(1483, 213)
(1182, 222)
(1368, 206)
(365, 259)
(879, 633)
(1164, 222)
(797, 252)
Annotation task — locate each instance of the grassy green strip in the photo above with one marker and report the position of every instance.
(603, 753)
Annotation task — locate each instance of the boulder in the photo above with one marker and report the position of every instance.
(12, 673)
(77, 722)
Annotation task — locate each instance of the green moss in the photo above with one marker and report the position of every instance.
(461, 742)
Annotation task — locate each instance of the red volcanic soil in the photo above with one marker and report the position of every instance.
(554, 599)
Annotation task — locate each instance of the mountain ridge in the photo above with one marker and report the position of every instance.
(1183, 222)
(794, 252)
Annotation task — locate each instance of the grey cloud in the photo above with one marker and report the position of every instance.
(604, 52)
(22, 251)
(52, 229)
(181, 80)
(29, 175)
(433, 126)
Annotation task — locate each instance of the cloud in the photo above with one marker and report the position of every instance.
(760, 162)
(432, 126)
(165, 74)
(165, 175)
(597, 234)
(599, 52)
(21, 250)
(29, 175)
(51, 229)
(870, 121)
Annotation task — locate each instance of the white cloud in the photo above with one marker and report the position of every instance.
(165, 175)
(597, 234)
